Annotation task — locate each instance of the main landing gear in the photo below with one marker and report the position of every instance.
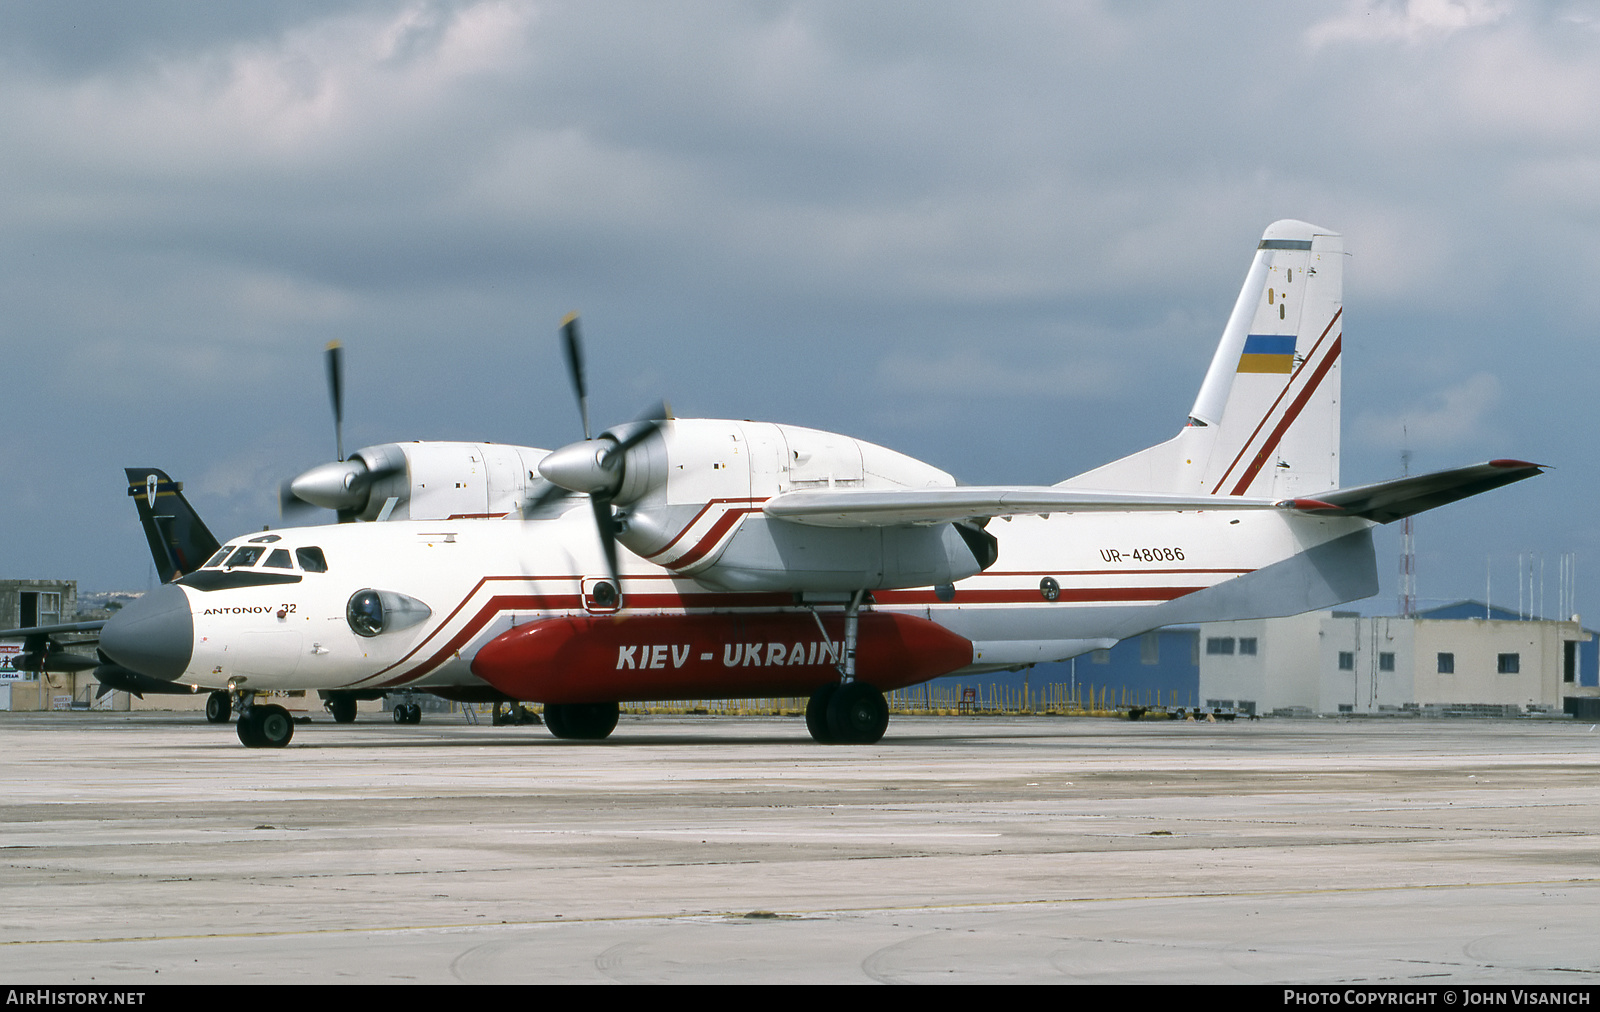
(513, 713)
(219, 706)
(265, 725)
(848, 712)
(581, 721)
(343, 709)
(407, 713)
(851, 713)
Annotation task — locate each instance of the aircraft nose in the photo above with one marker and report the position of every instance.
(154, 635)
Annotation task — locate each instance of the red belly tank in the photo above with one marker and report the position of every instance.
(601, 658)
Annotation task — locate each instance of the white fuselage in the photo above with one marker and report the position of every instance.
(1062, 584)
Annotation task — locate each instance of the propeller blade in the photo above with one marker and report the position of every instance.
(660, 411)
(572, 342)
(593, 466)
(538, 505)
(637, 431)
(605, 523)
(336, 392)
(291, 507)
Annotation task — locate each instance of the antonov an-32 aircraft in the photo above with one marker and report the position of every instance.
(773, 560)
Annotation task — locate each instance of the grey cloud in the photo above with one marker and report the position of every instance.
(932, 225)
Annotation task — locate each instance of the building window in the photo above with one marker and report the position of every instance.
(1447, 664)
(39, 607)
(1386, 662)
(1101, 657)
(1347, 660)
(1508, 664)
(1216, 645)
(1569, 661)
(1150, 648)
(1247, 646)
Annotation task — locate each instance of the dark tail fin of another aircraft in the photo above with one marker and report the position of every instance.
(179, 541)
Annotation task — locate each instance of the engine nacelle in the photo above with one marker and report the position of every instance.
(430, 480)
(692, 499)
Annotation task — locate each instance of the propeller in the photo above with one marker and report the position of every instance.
(335, 357)
(572, 343)
(342, 485)
(597, 466)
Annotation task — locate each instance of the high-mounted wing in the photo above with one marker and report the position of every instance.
(1381, 502)
(887, 508)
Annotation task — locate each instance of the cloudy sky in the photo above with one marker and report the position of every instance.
(1000, 237)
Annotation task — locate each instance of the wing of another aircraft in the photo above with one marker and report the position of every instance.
(1381, 502)
(887, 508)
(50, 630)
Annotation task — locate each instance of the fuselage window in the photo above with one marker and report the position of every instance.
(245, 555)
(311, 560)
(216, 560)
(279, 559)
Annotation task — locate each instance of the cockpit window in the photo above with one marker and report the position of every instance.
(245, 555)
(216, 560)
(311, 560)
(279, 559)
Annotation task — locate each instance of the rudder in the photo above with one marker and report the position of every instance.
(1266, 420)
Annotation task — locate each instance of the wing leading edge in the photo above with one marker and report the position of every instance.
(1381, 502)
(878, 508)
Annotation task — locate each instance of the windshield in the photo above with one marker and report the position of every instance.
(245, 555)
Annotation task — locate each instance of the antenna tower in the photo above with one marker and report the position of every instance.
(1408, 554)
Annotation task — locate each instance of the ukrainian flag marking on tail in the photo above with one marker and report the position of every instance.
(1268, 353)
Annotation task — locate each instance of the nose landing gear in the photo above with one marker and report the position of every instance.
(265, 725)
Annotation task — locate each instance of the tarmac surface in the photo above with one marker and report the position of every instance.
(153, 848)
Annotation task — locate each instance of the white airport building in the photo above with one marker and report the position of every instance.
(1462, 658)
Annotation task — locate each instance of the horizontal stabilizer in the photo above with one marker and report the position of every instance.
(888, 508)
(1387, 501)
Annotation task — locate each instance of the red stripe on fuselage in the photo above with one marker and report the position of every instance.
(572, 603)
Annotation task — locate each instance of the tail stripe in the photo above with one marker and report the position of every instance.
(1288, 419)
(1310, 356)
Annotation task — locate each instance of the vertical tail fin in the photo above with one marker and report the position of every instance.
(179, 541)
(1266, 420)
